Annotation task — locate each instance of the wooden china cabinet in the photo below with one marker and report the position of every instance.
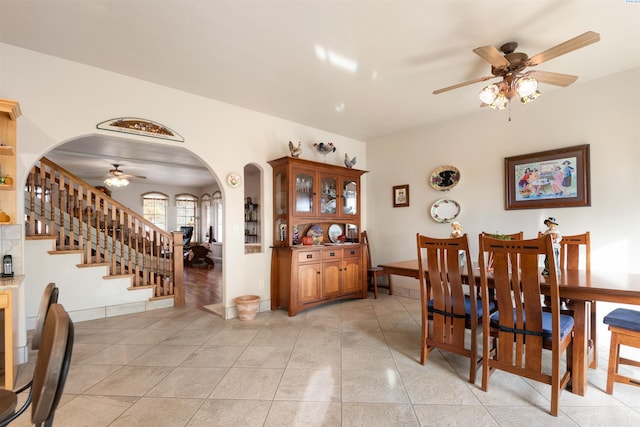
(9, 112)
(320, 202)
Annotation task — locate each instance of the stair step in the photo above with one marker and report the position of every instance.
(137, 288)
(95, 264)
(40, 237)
(66, 251)
(160, 297)
(117, 276)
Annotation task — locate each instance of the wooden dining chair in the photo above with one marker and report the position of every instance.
(509, 236)
(575, 254)
(49, 375)
(624, 325)
(373, 273)
(447, 310)
(517, 333)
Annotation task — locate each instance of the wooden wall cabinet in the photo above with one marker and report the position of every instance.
(305, 194)
(9, 113)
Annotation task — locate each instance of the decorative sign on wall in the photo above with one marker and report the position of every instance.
(140, 127)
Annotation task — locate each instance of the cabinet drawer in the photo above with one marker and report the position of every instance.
(308, 256)
(332, 254)
(352, 252)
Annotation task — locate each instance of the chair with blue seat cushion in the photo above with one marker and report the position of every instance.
(624, 325)
(449, 306)
(520, 330)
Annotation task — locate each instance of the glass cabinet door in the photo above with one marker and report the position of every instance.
(305, 192)
(328, 186)
(350, 197)
(281, 194)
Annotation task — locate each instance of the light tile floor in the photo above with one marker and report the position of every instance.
(353, 363)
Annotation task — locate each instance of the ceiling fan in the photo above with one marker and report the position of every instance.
(117, 177)
(511, 67)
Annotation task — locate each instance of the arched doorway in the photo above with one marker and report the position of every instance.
(153, 168)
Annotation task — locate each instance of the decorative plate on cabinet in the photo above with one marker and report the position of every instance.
(335, 231)
(444, 178)
(445, 210)
(315, 231)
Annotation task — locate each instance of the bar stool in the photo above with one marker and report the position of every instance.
(624, 325)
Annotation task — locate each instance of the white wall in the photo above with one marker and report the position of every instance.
(68, 99)
(603, 113)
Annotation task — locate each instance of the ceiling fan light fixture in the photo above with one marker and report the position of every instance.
(500, 103)
(116, 181)
(525, 86)
(531, 97)
(489, 93)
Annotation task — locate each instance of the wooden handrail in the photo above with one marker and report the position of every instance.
(84, 218)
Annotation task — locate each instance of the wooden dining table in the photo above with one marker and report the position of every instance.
(580, 287)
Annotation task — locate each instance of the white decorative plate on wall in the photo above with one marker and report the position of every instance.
(444, 178)
(234, 180)
(445, 210)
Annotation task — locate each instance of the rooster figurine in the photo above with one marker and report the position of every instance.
(324, 148)
(295, 150)
(349, 163)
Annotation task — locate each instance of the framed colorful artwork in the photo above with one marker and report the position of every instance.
(548, 179)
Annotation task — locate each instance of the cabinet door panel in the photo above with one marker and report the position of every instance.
(309, 282)
(352, 282)
(304, 184)
(349, 206)
(331, 272)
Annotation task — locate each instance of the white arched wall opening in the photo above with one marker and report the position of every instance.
(91, 163)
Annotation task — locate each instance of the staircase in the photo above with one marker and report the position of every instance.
(116, 252)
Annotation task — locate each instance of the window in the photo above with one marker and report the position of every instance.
(155, 209)
(186, 211)
(205, 206)
(216, 207)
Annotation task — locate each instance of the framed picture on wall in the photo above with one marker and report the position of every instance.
(400, 196)
(548, 179)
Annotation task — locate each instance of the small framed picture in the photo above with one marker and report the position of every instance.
(401, 196)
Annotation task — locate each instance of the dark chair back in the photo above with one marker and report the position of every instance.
(49, 296)
(52, 365)
(187, 234)
(49, 374)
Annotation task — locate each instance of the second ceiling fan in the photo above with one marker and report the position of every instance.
(511, 67)
(117, 177)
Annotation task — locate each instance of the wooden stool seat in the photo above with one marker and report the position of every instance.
(624, 325)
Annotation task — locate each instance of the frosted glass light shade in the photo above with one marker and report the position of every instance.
(489, 93)
(116, 182)
(525, 86)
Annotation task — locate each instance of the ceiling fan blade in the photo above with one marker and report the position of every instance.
(575, 43)
(556, 79)
(469, 82)
(492, 56)
(126, 175)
